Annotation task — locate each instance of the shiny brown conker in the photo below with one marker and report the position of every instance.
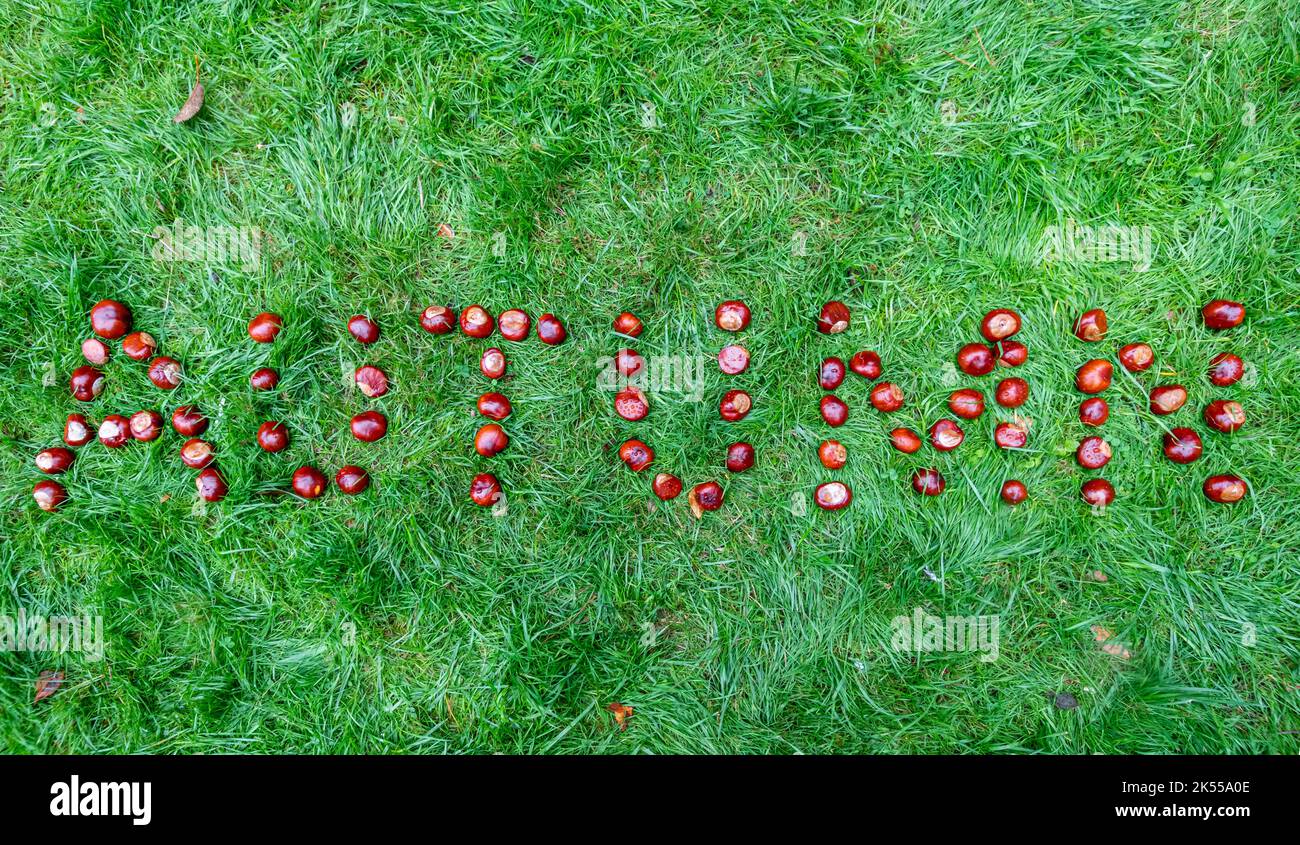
(55, 460)
(731, 316)
(364, 329)
(1014, 353)
(1094, 376)
(115, 431)
(999, 324)
(475, 321)
(1012, 392)
(1224, 489)
(273, 436)
(1010, 436)
(886, 397)
(976, 359)
(833, 495)
(146, 426)
(86, 383)
(490, 440)
(264, 327)
(905, 440)
(189, 421)
(1167, 398)
(139, 346)
(369, 426)
(438, 319)
(707, 496)
(550, 330)
(1225, 416)
(309, 482)
(831, 373)
(832, 454)
(1097, 492)
(1136, 357)
(733, 359)
(946, 435)
(740, 457)
(196, 453)
(1226, 369)
(628, 363)
(1091, 325)
(630, 403)
(1093, 411)
(371, 381)
(352, 480)
(49, 495)
(1222, 314)
(513, 324)
(834, 318)
(834, 411)
(1093, 453)
(484, 489)
(493, 363)
(866, 364)
(165, 373)
(1014, 492)
(966, 403)
(667, 486)
(1182, 445)
(211, 485)
(928, 482)
(76, 430)
(636, 454)
(110, 319)
(264, 378)
(735, 405)
(494, 406)
(629, 324)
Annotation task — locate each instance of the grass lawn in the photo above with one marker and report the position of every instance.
(907, 158)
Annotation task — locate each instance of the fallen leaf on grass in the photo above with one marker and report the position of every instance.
(445, 232)
(195, 101)
(696, 510)
(47, 684)
(1103, 636)
(621, 713)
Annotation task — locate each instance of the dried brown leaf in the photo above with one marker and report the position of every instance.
(621, 713)
(696, 510)
(47, 684)
(192, 104)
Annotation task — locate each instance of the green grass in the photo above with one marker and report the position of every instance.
(228, 630)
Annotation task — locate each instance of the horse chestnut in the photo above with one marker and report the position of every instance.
(966, 403)
(1094, 376)
(493, 363)
(550, 330)
(475, 321)
(352, 480)
(110, 319)
(484, 490)
(707, 496)
(371, 381)
(636, 454)
(1010, 436)
(1093, 453)
(735, 405)
(139, 346)
(731, 316)
(733, 359)
(264, 327)
(999, 324)
(946, 435)
(628, 363)
(76, 431)
(165, 373)
(494, 406)
(94, 350)
(667, 486)
(831, 374)
(1012, 392)
(1167, 398)
(1014, 492)
(196, 453)
(369, 426)
(490, 440)
(1225, 416)
(905, 440)
(49, 495)
(832, 454)
(1182, 445)
(630, 404)
(866, 364)
(438, 319)
(928, 482)
(264, 378)
(1014, 353)
(1223, 314)
(834, 318)
(146, 426)
(513, 324)
(740, 457)
(1226, 369)
(309, 482)
(887, 397)
(1097, 492)
(833, 495)
(54, 460)
(1224, 489)
(115, 431)
(86, 383)
(210, 485)
(1093, 411)
(189, 421)
(364, 329)
(274, 436)
(627, 323)
(1136, 357)
(834, 411)
(1091, 325)
(976, 359)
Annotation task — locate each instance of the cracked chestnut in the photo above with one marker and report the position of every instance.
(115, 431)
(513, 324)
(1167, 398)
(1222, 314)
(110, 319)
(636, 454)
(1226, 369)
(976, 359)
(264, 327)
(1091, 325)
(1225, 416)
(49, 495)
(371, 381)
(352, 480)
(86, 383)
(966, 403)
(735, 405)
(309, 482)
(886, 397)
(833, 495)
(490, 440)
(273, 436)
(1224, 489)
(831, 373)
(1182, 445)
